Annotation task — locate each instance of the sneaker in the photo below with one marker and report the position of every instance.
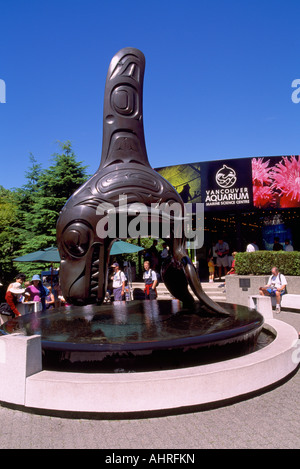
(278, 309)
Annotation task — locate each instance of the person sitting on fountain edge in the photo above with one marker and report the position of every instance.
(150, 279)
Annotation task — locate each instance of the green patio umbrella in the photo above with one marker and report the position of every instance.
(47, 255)
(52, 255)
(121, 247)
(43, 255)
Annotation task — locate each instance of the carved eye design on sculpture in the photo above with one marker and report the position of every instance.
(124, 101)
(77, 238)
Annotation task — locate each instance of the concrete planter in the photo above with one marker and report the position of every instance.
(240, 287)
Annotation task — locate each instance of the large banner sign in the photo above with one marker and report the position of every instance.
(238, 184)
(227, 184)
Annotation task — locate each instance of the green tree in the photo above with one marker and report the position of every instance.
(49, 193)
(42, 198)
(27, 196)
(8, 239)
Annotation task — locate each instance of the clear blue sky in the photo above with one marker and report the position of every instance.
(217, 82)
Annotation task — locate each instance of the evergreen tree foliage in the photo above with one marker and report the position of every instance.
(26, 199)
(54, 186)
(28, 215)
(8, 240)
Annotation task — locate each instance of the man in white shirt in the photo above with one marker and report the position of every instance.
(252, 247)
(150, 279)
(276, 286)
(119, 281)
(287, 246)
(165, 252)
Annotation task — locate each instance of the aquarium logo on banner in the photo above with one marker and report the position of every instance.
(226, 177)
(228, 185)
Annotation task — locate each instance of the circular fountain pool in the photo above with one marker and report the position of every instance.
(140, 335)
(174, 359)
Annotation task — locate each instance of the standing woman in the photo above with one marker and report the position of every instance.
(37, 291)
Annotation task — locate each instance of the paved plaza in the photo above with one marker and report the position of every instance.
(266, 421)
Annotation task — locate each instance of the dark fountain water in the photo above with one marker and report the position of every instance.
(141, 335)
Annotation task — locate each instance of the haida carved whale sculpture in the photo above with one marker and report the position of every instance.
(124, 172)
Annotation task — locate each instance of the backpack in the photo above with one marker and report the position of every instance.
(6, 310)
(157, 276)
(285, 291)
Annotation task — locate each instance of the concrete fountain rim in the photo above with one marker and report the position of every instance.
(160, 391)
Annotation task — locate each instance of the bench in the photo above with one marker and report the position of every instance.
(264, 304)
(291, 301)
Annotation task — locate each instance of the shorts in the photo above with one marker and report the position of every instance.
(150, 294)
(118, 294)
(272, 291)
(222, 261)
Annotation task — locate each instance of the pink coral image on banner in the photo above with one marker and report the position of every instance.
(286, 177)
(276, 185)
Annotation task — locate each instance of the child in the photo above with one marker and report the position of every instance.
(211, 269)
(232, 270)
(50, 300)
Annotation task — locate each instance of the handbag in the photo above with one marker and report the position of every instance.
(6, 310)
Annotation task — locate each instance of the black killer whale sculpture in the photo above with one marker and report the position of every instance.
(124, 172)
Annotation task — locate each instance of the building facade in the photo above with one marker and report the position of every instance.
(245, 199)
